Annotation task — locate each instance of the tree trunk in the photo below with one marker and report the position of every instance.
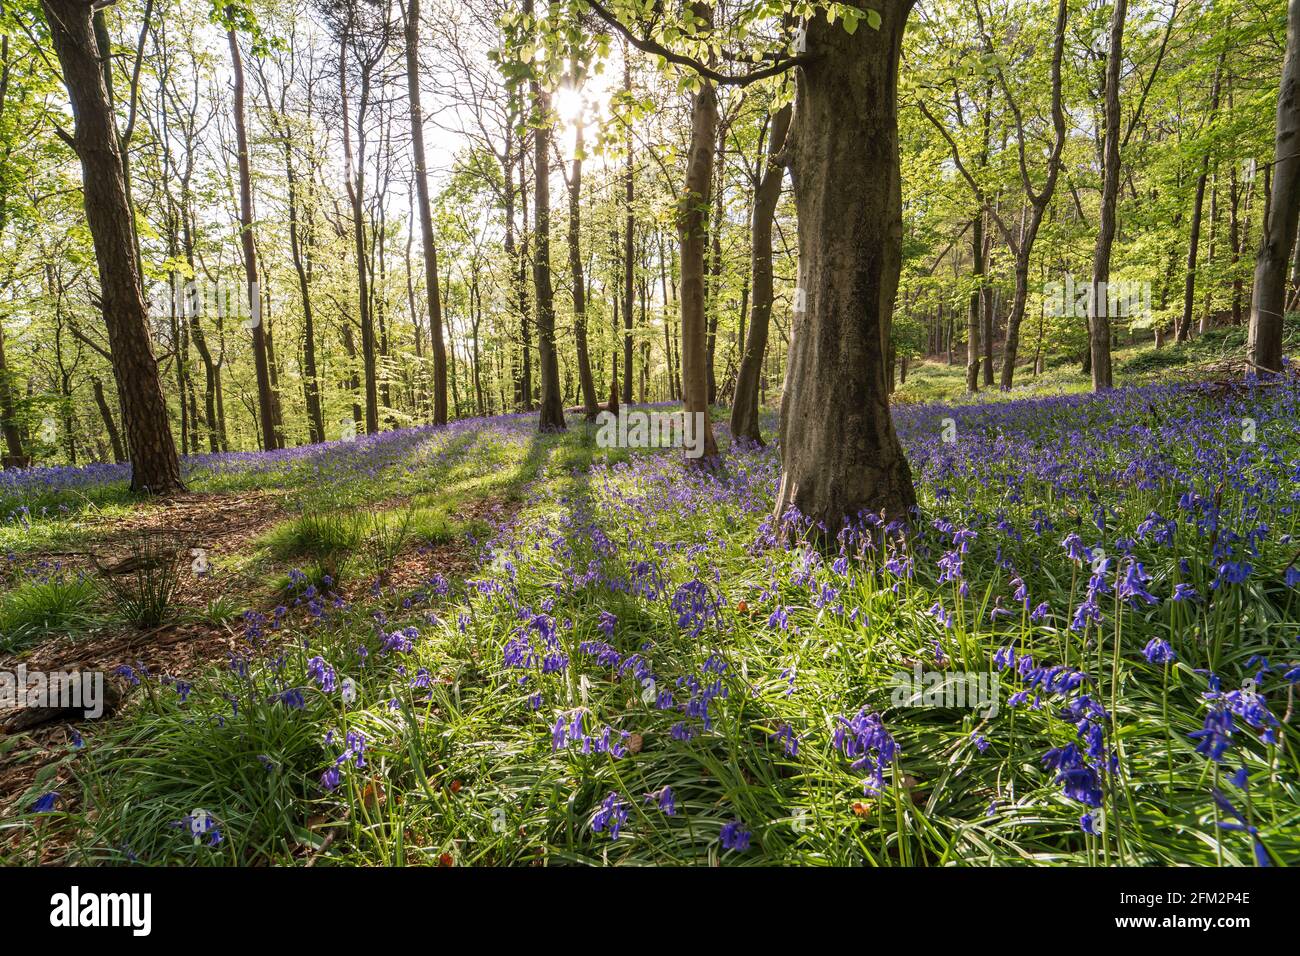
(692, 232)
(1038, 203)
(744, 409)
(840, 453)
(551, 416)
(426, 215)
(1099, 318)
(1268, 300)
(1184, 329)
(13, 455)
(155, 466)
(629, 265)
(974, 321)
(265, 399)
(356, 180)
(106, 413)
(586, 384)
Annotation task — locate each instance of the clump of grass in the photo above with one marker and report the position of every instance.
(385, 536)
(220, 610)
(40, 608)
(317, 534)
(240, 752)
(142, 587)
(434, 526)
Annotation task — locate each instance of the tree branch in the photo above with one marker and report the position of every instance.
(646, 45)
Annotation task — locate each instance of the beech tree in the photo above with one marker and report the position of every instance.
(1269, 296)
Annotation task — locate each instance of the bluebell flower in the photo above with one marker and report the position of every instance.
(1158, 651)
(734, 836)
(611, 815)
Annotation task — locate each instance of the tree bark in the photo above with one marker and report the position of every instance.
(629, 237)
(840, 453)
(1038, 202)
(744, 409)
(1099, 318)
(1184, 330)
(426, 215)
(692, 233)
(1268, 299)
(586, 384)
(356, 181)
(155, 465)
(974, 320)
(551, 410)
(267, 415)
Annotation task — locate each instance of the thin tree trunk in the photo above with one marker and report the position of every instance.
(265, 399)
(1099, 319)
(1038, 203)
(744, 410)
(426, 215)
(629, 227)
(1184, 330)
(974, 320)
(586, 384)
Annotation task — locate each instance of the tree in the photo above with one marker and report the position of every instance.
(744, 411)
(1269, 296)
(586, 383)
(551, 413)
(840, 453)
(233, 17)
(692, 234)
(155, 467)
(412, 34)
(1039, 200)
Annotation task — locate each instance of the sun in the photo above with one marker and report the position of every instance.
(571, 103)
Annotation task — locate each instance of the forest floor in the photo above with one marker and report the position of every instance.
(475, 644)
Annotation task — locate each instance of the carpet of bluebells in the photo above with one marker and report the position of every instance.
(646, 667)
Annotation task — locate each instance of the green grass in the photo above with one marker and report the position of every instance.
(36, 609)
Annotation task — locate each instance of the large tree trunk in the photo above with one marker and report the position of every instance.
(266, 409)
(586, 384)
(744, 410)
(692, 232)
(839, 451)
(155, 467)
(426, 215)
(1099, 318)
(1268, 300)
